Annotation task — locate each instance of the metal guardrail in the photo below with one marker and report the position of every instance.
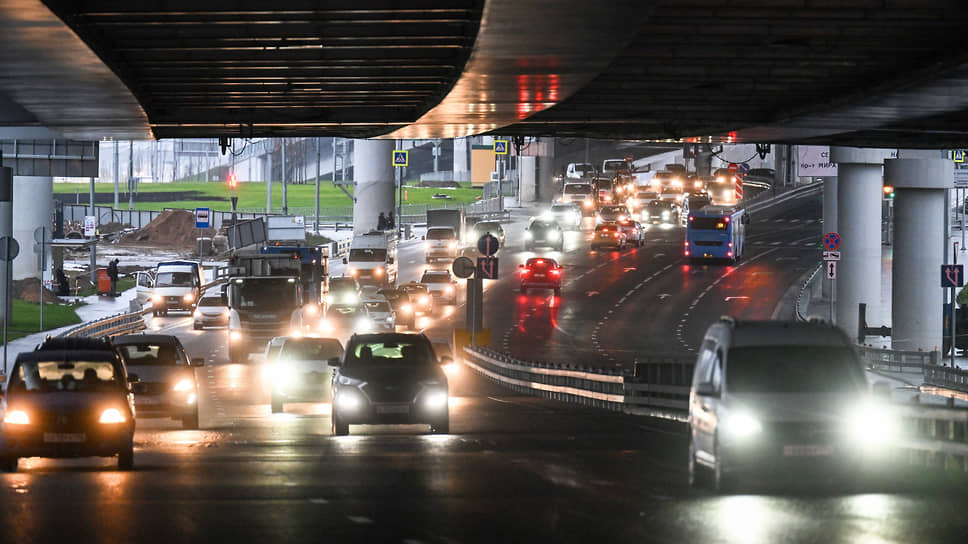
(805, 289)
(931, 436)
(944, 376)
(897, 360)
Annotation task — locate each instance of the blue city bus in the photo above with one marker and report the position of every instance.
(715, 232)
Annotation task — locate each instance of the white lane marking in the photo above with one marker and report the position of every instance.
(663, 296)
(360, 520)
(317, 500)
(737, 298)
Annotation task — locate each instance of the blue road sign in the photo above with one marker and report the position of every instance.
(952, 275)
(831, 241)
(203, 218)
(500, 147)
(743, 168)
(488, 245)
(401, 158)
(959, 155)
(487, 268)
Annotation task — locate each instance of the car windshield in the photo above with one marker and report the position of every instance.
(174, 279)
(61, 376)
(210, 301)
(391, 353)
(368, 255)
(377, 306)
(440, 234)
(794, 369)
(344, 312)
(414, 288)
(562, 209)
(613, 209)
(708, 223)
(150, 354)
(264, 293)
(342, 284)
(541, 225)
(311, 349)
(578, 189)
(435, 277)
(488, 227)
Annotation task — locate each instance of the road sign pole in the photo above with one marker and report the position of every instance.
(43, 266)
(954, 314)
(6, 299)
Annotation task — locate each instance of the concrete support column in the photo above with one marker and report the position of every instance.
(545, 191)
(919, 210)
(461, 166)
(35, 208)
(859, 193)
(829, 221)
(374, 180)
(6, 229)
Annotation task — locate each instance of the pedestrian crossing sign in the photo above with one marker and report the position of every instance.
(400, 158)
(500, 147)
(959, 155)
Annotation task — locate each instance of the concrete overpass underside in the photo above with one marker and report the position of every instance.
(853, 72)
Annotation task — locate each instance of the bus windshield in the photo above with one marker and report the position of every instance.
(708, 223)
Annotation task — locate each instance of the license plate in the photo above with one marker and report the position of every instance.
(393, 409)
(146, 401)
(808, 451)
(64, 438)
(539, 275)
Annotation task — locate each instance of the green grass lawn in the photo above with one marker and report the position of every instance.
(252, 195)
(26, 318)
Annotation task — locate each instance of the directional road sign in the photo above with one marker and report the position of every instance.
(743, 168)
(463, 267)
(488, 245)
(401, 158)
(831, 268)
(831, 255)
(500, 147)
(952, 275)
(203, 218)
(9, 248)
(487, 268)
(831, 241)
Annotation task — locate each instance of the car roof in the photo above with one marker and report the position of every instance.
(132, 339)
(779, 333)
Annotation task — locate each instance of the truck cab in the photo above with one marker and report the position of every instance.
(373, 258)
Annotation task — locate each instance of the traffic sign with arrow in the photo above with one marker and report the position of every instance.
(831, 267)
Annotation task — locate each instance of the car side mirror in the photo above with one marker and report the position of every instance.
(198, 361)
(706, 389)
(333, 362)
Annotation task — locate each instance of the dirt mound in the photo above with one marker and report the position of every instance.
(29, 290)
(171, 229)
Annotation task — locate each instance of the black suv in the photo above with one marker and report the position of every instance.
(543, 233)
(68, 398)
(389, 378)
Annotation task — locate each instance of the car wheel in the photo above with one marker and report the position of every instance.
(442, 426)
(8, 463)
(126, 457)
(197, 326)
(340, 428)
(190, 421)
(276, 403)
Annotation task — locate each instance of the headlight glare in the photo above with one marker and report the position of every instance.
(869, 424)
(111, 415)
(743, 425)
(184, 385)
(348, 401)
(16, 417)
(435, 400)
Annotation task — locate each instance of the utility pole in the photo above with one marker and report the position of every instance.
(268, 146)
(285, 194)
(319, 158)
(130, 174)
(117, 174)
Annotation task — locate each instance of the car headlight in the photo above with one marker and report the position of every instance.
(350, 298)
(389, 319)
(197, 314)
(156, 298)
(452, 245)
(325, 326)
(184, 385)
(528, 235)
(870, 424)
(111, 415)
(742, 425)
(364, 324)
(296, 332)
(348, 400)
(406, 308)
(449, 289)
(588, 203)
(16, 417)
(665, 214)
(425, 300)
(235, 335)
(378, 272)
(188, 298)
(435, 400)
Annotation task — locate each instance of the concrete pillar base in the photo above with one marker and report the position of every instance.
(375, 190)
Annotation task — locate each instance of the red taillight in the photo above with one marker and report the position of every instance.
(729, 253)
(525, 271)
(539, 261)
(686, 243)
(730, 244)
(690, 218)
(616, 235)
(727, 220)
(556, 272)
(686, 253)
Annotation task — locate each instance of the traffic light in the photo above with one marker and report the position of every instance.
(888, 191)
(233, 181)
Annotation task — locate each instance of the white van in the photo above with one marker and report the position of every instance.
(781, 398)
(373, 258)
